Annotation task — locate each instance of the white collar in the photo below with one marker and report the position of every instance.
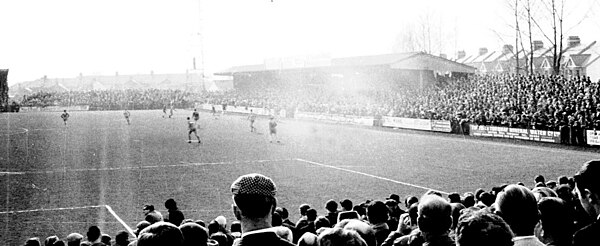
(270, 229)
(532, 237)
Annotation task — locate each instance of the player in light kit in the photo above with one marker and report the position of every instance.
(192, 128)
(252, 118)
(65, 116)
(273, 129)
(127, 114)
(214, 111)
(171, 111)
(195, 115)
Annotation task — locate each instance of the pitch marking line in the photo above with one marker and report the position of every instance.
(182, 164)
(11, 173)
(110, 210)
(370, 175)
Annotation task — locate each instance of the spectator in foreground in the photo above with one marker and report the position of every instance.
(332, 213)
(364, 230)
(434, 220)
(481, 227)
(377, 214)
(587, 187)
(122, 238)
(34, 241)
(518, 207)
(160, 233)
(152, 215)
(253, 203)
(94, 236)
(50, 240)
(74, 239)
(194, 234)
(105, 239)
(174, 215)
(556, 221)
(141, 226)
(340, 237)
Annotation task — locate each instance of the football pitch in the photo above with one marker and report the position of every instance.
(97, 170)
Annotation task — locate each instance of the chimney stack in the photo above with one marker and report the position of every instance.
(507, 49)
(538, 44)
(461, 54)
(483, 51)
(574, 41)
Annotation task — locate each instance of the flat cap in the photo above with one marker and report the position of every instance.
(253, 184)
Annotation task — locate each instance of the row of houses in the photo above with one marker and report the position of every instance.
(578, 59)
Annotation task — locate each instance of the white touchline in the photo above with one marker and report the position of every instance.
(371, 175)
(111, 211)
(182, 164)
(48, 209)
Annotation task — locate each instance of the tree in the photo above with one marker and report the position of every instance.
(3, 89)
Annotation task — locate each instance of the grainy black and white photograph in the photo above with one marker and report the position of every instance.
(299, 122)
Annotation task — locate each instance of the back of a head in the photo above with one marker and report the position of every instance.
(213, 227)
(454, 197)
(160, 234)
(539, 179)
(34, 241)
(541, 192)
(220, 237)
(331, 205)
(410, 200)
(377, 212)
(284, 233)
(518, 207)
(321, 222)
(50, 240)
(364, 230)
(587, 177)
(141, 226)
(311, 214)
(340, 237)
(346, 204)
(283, 212)
(74, 239)
(456, 211)
(170, 204)
(122, 238)
(276, 219)
(254, 196)
(469, 200)
(194, 234)
(303, 209)
(308, 239)
(93, 233)
(556, 221)
(105, 239)
(435, 215)
(477, 228)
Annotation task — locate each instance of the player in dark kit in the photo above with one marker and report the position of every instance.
(164, 110)
(127, 114)
(192, 128)
(195, 115)
(65, 116)
(273, 129)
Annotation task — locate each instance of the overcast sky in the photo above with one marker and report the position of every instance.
(62, 38)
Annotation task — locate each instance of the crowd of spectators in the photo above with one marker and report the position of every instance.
(114, 99)
(569, 105)
(555, 212)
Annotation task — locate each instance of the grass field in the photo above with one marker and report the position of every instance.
(57, 179)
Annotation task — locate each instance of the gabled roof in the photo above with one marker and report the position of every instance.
(464, 59)
(483, 57)
(577, 60)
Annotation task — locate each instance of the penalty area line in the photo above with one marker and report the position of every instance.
(370, 175)
(48, 209)
(111, 211)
